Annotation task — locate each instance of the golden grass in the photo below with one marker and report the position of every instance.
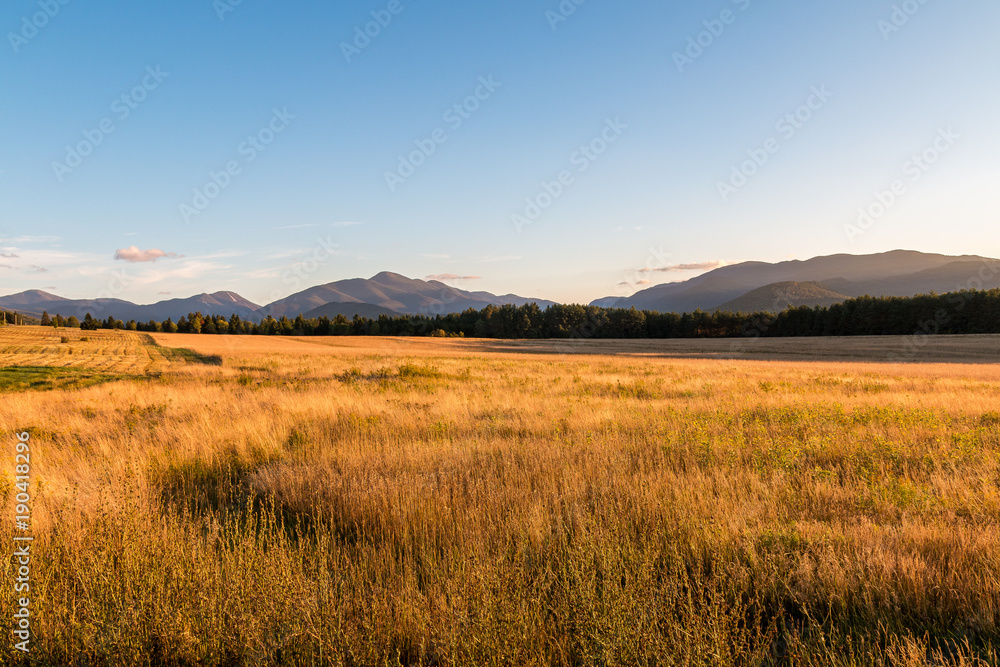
(386, 501)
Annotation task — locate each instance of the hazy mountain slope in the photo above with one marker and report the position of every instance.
(392, 292)
(220, 303)
(776, 297)
(951, 277)
(868, 272)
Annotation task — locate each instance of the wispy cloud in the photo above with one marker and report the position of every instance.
(265, 273)
(34, 239)
(278, 229)
(37, 269)
(697, 266)
(452, 276)
(500, 258)
(346, 223)
(133, 255)
(11, 255)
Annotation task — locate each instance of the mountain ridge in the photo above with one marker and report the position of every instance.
(895, 273)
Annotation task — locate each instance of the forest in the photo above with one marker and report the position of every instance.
(964, 312)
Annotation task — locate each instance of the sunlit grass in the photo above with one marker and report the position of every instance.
(395, 502)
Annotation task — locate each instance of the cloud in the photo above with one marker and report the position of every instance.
(35, 239)
(698, 266)
(133, 255)
(278, 229)
(10, 255)
(346, 223)
(500, 258)
(164, 293)
(645, 282)
(452, 276)
(37, 269)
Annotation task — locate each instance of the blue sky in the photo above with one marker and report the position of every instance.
(251, 149)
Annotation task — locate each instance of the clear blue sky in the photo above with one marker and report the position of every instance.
(651, 200)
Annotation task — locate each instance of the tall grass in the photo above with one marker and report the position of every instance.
(398, 504)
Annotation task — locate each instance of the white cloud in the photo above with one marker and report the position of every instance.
(34, 239)
(698, 266)
(133, 255)
(452, 276)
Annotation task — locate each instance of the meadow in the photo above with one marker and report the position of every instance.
(223, 500)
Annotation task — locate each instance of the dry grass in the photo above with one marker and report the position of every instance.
(386, 502)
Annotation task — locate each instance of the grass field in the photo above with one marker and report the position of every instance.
(212, 500)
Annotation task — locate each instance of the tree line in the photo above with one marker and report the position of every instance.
(965, 312)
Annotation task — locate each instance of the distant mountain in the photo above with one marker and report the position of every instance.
(386, 293)
(606, 302)
(776, 297)
(349, 310)
(393, 292)
(221, 303)
(750, 286)
(896, 273)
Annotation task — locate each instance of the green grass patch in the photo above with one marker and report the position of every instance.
(44, 378)
(183, 354)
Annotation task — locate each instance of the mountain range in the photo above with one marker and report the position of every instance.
(821, 279)
(383, 294)
(745, 287)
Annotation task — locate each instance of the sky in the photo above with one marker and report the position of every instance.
(563, 150)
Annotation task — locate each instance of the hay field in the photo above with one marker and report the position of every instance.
(220, 500)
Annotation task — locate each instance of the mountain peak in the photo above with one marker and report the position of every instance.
(893, 273)
(389, 275)
(31, 297)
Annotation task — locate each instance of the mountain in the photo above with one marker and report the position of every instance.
(776, 297)
(349, 310)
(750, 286)
(386, 293)
(895, 273)
(393, 292)
(221, 303)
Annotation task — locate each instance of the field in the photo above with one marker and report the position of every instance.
(213, 500)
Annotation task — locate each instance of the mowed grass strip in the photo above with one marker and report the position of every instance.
(110, 352)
